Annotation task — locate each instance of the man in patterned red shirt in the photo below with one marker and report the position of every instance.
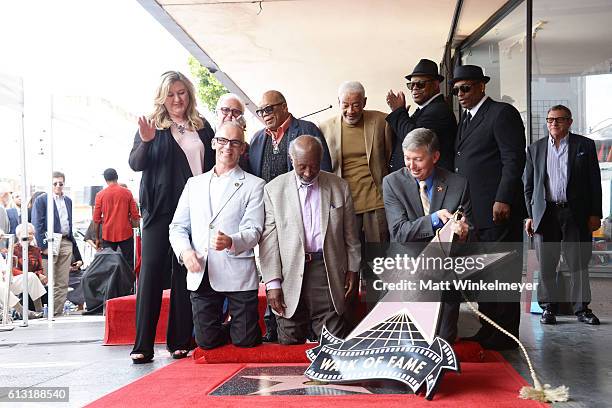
(116, 211)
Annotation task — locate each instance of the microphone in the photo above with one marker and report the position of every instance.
(313, 113)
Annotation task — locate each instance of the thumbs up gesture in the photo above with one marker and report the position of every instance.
(220, 241)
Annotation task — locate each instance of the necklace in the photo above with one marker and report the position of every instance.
(181, 128)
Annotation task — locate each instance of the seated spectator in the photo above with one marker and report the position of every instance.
(36, 289)
(36, 277)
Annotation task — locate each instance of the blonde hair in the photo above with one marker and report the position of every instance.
(161, 118)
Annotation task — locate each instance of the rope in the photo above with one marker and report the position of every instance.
(538, 392)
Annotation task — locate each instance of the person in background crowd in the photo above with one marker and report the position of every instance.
(231, 108)
(62, 224)
(31, 203)
(37, 279)
(172, 144)
(116, 210)
(14, 213)
(5, 197)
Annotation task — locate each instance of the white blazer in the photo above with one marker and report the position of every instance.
(240, 216)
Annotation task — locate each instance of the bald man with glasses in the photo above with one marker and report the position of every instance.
(432, 113)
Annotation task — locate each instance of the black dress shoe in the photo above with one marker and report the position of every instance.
(588, 317)
(548, 317)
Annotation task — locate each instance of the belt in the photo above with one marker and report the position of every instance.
(313, 256)
(560, 204)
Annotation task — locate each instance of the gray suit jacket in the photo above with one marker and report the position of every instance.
(240, 215)
(583, 190)
(405, 216)
(281, 249)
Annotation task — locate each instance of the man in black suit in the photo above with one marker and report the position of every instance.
(563, 196)
(432, 113)
(490, 153)
(419, 199)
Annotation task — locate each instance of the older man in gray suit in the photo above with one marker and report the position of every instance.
(419, 199)
(310, 251)
(217, 223)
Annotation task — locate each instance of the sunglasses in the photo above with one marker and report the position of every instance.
(560, 119)
(235, 112)
(58, 183)
(418, 84)
(463, 88)
(267, 110)
(223, 141)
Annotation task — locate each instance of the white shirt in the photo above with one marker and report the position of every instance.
(478, 105)
(429, 100)
(60, 203)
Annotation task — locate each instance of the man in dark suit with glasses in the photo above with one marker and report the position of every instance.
(563, 197)
(490, 153)
(432, 113)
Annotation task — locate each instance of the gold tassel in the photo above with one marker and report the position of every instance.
(545, 394)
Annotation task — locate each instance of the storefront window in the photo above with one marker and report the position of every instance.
(501, 52)
(572, 65)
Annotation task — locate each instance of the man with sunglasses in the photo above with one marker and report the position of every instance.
(563, 197)
(490, 153)
(217, 223)
(269, 154)
(62, 224)
(432, 113)
(268, 157)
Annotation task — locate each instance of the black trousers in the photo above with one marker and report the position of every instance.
(127, 249)
(208, 316)
(154, 272)
(560, 230)
(506, 313)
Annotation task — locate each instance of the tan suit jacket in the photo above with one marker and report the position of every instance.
(378, 140)
(281, 249)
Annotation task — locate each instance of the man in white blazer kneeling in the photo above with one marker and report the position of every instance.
(217, 223)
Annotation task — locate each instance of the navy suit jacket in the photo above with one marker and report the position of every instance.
(297, 128)
(39, 219)
(13, 217)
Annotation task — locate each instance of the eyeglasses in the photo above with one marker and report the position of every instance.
(267, 110)
(463, 88)
(235, 112)
(560, 119)
(58, 183)
(223, 141)
(418, 84)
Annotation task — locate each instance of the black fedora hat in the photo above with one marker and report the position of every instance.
(469, 72)
(426, 67)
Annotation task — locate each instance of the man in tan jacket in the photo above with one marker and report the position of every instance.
(309, 251)
(360, 143)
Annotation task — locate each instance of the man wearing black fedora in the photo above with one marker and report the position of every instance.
(490, 153)
(432, 113)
